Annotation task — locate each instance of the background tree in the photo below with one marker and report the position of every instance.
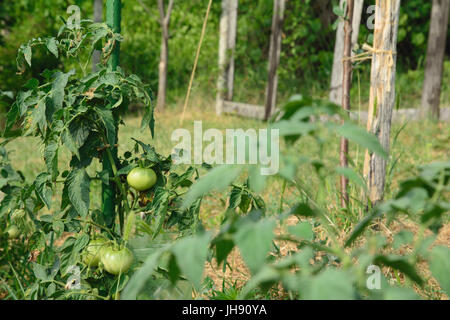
(274, 57)
(227, 45)
(336, 73)
(98, 17)
(164, 20)
(435, 58)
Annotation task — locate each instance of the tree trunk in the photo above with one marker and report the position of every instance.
(164, 54)
(227, 45)
(336, 74)
(382, 92)
(274, 56)
(98, 17)
(435, 58)
(231, 46)
(346, 85)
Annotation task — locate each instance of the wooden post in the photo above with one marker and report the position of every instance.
(164, 53)
(98, 17)
(435, 58)
(336, 73)
(274, 56)
(346, 85)
(227, 45)
(382, 92)
(113, 17)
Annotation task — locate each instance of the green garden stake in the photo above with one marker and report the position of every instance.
(113, 17)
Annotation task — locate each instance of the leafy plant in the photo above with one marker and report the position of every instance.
(319, 263)
(82, 114)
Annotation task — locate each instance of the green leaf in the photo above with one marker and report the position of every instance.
(39, 115)
(267, 276)
(302, 230)
(400, 264)
(161, 201)
(217, 179)
(255, 241)
(68, 141)
(401, 238)
(440, 266)
(395, 293)
(360, 136)
(51, 158)
(129, 225)
(59, 83)
(351, 174)
(256, 180)
(302, 209)
(331, 284)
(40, 271)
(27, 54)
(191, 254)
(139, 278)
(362, 225)
(223, 249)
(78, 186)
(43, 191)
(107, 118)
(52, 46)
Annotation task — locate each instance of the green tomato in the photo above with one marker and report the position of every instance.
(141, 179)
(13, 232)
(117, 261)
(93, 251)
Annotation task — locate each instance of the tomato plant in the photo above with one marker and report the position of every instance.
(81, 112)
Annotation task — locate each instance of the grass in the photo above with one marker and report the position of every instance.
(417, 143)
(413, 144)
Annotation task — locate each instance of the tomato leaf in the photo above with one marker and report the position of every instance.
(78, 186)
(217, 179)
(440, 266)
(191, 253)
(254, 241)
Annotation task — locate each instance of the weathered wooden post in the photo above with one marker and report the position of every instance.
(437, 37)
(113, 17)
(346, 85)
(336, 73)
(274, 57)
(227, 45)
(382, 92)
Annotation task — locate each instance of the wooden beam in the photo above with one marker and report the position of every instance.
(243, 109)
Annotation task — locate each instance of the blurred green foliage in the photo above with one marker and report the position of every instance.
(307, 51)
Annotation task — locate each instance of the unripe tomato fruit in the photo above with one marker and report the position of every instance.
(141, 179)
(117, 261)
(93, 251)
(13, 232)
